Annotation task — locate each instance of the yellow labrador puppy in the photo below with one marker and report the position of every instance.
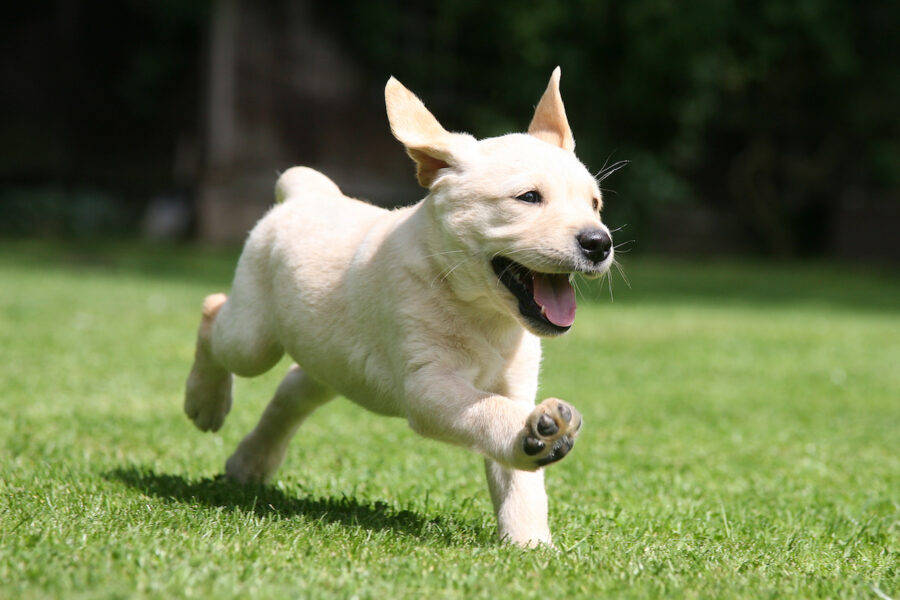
(430, 313)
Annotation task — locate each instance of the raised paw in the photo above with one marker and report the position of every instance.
(550, 431)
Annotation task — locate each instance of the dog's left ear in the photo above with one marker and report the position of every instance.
(549, 122)
(430, 145)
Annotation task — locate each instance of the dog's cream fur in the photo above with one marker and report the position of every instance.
(401, 311)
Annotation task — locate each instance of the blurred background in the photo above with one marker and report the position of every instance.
(766, 128)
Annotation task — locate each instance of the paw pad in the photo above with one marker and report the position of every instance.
(550, 431)
(546, 426)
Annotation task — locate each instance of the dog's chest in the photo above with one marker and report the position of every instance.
(495, 368)
(489, 372)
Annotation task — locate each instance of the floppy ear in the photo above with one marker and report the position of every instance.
(426, 141)
(549, 122)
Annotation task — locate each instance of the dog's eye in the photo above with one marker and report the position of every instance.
(596, 204)
(532, 197)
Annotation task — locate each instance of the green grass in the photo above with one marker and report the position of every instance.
(741, 439)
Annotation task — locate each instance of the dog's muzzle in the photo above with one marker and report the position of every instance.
(595, 244)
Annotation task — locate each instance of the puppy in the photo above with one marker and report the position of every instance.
(431, 313)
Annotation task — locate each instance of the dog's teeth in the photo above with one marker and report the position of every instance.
(544, 312)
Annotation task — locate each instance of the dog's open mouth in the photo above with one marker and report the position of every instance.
(547, 300)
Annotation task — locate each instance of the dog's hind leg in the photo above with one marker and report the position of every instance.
(261, 452)
(233, 337)
(207, 394)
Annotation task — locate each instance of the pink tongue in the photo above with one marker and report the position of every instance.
(555, 294)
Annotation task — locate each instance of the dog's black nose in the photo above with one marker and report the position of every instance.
(595, 243)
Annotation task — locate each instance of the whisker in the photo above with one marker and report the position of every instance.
(456, 266)
(542, 254)
(503, 272)
(611, 299)
(606, 278)
(607, 171)
(442, 253)
(574, 281)
(624, 247)
(443, 275)
(605, 162)
(621, 271)
(521, 250)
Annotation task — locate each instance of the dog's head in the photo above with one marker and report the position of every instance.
(518, 214)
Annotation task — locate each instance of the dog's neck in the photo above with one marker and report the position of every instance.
(455, 268)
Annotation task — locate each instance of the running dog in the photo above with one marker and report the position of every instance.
(432, 312)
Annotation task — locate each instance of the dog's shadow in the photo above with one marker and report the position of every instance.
(271, 502)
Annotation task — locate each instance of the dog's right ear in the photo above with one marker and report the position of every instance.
(426, 141)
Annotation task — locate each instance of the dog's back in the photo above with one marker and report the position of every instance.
(307, 265)
(312, 217)
(297, 181)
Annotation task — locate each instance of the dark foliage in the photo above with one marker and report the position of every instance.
(771, 111)
(779, 114)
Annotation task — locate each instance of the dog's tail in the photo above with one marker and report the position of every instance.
(302, 180)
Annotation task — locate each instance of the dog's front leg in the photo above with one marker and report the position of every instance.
(443, 405)
(516, 437)
(520, 503)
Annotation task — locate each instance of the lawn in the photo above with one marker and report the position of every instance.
(741, 440)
